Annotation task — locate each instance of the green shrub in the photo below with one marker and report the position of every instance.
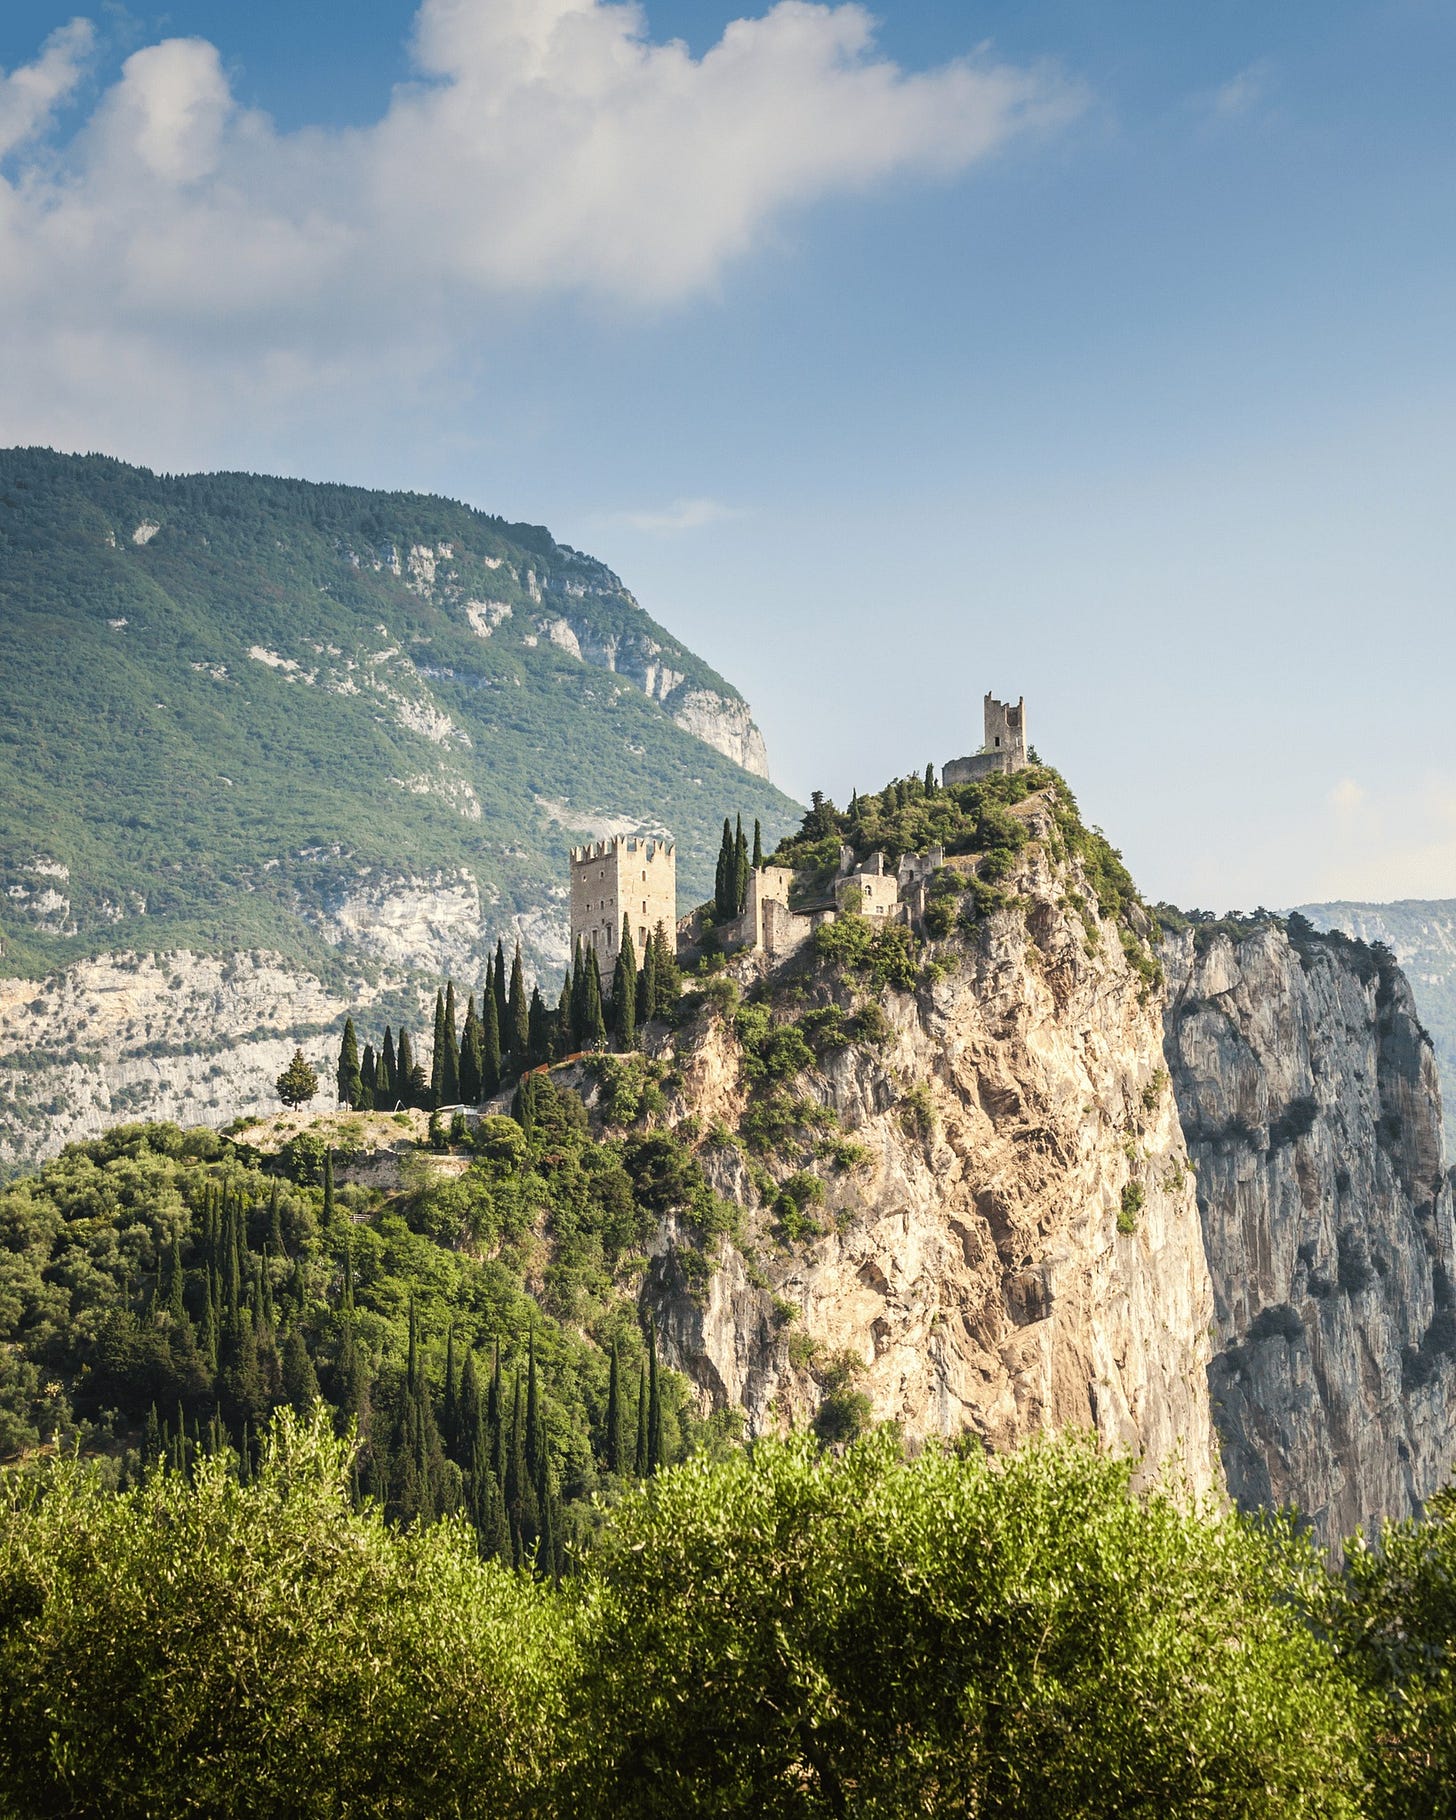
(1134, 1195)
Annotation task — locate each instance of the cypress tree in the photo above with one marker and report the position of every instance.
(450, 1403)
(725, 883)
(275, 1223)
(614, 1416)
(757, 844)
(538, 1025)
(535, 1431)
(624, 990)
(391, 1072)
(153, 1447)
(176, 1308)
(490, 1048)
(450, 1069)
(470, 1055)
(404, 1063)
(654, 1405)
(437, 1057)
(519, 1008)
(667, 986)
(639, 1456)
(300, 1382)
(740, 870)
(471, 1450)
(561, 1037)
(594, 1023)
(495, 1417)
(647, 986)
(930, 780)
(502, 1004)
(578, 996)
(367, 1071)
(348, 1079)
(383, 1092)
(328, 1188)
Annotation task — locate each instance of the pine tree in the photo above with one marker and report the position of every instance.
(490, 1048)
(391, 1073)
(757, 844)
(298, 1083)
(437, 1057)
(624, 990)
(347, 1077)
(450, 1066)
(519, 1009)
(538, 1045)
(639, 1455)
(614, 1417)
(367, 1071)
(740, 870)
(470, 1056)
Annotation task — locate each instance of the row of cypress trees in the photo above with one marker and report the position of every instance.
(735, 864)
(511, 1033)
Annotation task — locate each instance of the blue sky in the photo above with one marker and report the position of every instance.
(1100, 354)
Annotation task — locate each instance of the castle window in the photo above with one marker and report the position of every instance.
(998, 739)
(642, 935)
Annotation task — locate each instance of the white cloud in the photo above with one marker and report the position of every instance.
(28, 96)
(182, 257)
(1348, 797)
(681, 515)
(1241, 94)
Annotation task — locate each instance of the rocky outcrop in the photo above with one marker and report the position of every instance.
(725, 725)
(1014, 1243)
(1308, 1096)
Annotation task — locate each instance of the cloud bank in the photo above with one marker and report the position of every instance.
(176, 252)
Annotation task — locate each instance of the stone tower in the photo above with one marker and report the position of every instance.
(629, 875)
(1004, 746)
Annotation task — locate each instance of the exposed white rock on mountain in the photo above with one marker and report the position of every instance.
(973, 1270)
(1309, 1099)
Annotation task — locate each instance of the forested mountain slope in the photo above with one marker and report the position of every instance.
(354, 731)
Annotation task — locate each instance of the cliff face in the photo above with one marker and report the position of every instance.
(193, 1038)
(1308, 1095)
(970, 1272)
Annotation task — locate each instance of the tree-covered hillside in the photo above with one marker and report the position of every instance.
(228, 703)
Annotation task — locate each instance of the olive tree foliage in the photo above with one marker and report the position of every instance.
(786, 1634)
(1391, 1617)
(214, 1648)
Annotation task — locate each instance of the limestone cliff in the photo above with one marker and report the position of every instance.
(1009, 1240)
(1308, 1095)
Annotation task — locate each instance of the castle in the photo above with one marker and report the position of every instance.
(630, 876)
(636, 877)
(1003, 749)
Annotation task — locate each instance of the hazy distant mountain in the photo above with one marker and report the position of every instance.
(1423, 935)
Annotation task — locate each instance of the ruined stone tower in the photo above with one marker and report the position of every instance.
(1004, 746)
(629, 875)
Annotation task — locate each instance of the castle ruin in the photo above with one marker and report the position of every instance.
(1003, 748)
(630, 876)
